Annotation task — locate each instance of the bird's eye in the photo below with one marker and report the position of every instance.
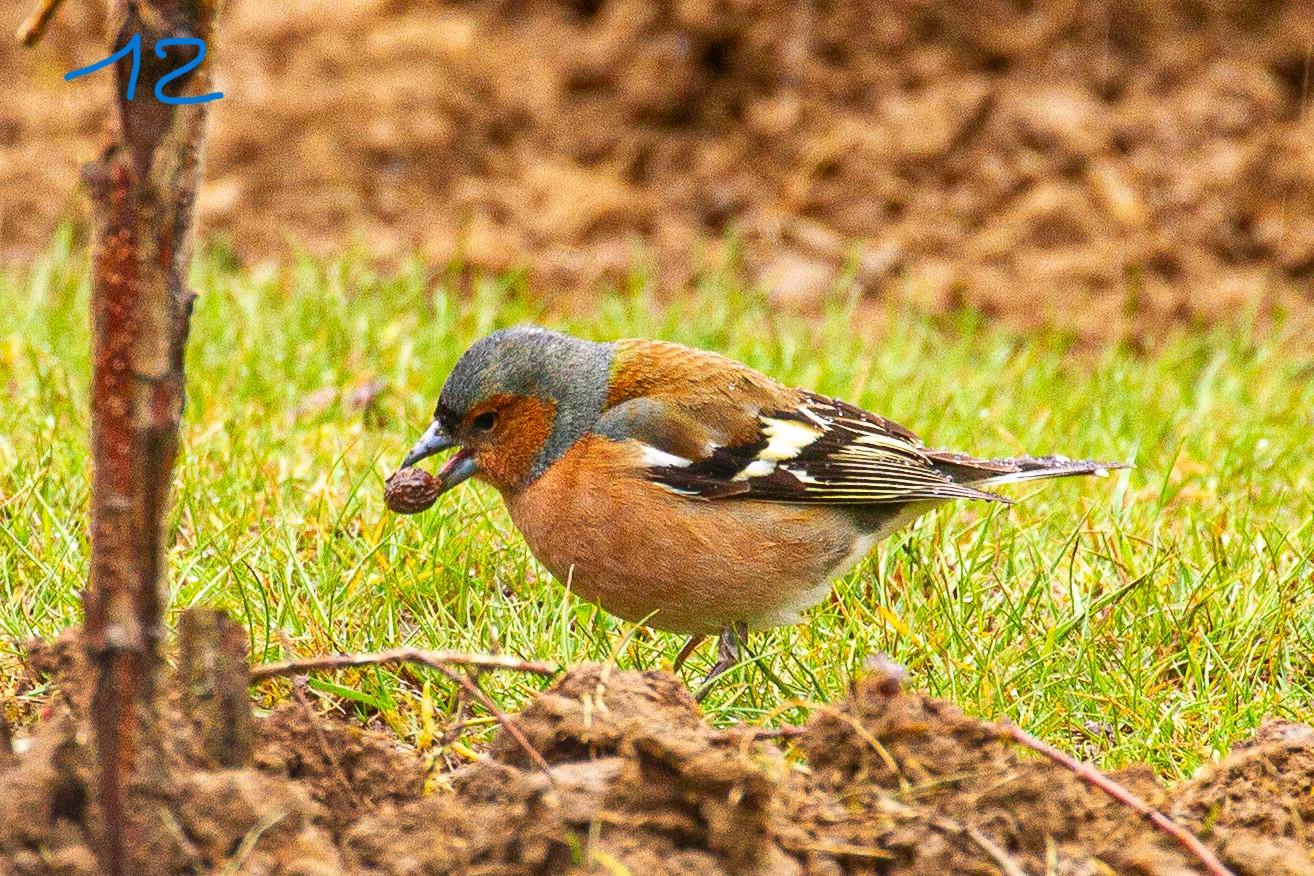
(484, 421)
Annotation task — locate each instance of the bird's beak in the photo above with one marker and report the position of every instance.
(434, 440)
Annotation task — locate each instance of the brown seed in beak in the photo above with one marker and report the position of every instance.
(411, 491)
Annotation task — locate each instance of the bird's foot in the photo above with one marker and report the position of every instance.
(733, 636)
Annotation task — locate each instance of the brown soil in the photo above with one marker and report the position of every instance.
(889, 782)
(1076, 162)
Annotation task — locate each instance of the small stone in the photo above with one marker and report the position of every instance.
(410, 491)
(888, 674)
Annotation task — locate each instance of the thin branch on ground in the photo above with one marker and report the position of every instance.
(848, 850)
(33, 28)
(440, 660)
(1094, 777)
(443, 661)
(472, 687)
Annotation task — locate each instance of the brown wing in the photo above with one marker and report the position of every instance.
(713, 428)
(820, 450)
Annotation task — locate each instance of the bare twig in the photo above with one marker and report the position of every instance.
(34, 26)
(849, 850)
(995, 853)
(440, 660)
(1094, 777)
(471, 687)
(443, 661)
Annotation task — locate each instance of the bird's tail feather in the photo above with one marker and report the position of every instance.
(983, 473)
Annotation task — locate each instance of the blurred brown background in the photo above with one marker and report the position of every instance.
(1086, 163)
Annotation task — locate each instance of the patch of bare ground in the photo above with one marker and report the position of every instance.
(888, 782)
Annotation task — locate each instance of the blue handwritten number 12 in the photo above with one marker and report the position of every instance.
(133, 47)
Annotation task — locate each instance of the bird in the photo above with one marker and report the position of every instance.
(680, 489)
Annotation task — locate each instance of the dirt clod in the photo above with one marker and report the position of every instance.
(1258, 802)
(347, 770)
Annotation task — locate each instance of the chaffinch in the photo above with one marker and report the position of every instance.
(684, 490)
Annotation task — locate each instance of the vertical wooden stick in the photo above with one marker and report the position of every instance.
(214, 676)
(142, 192)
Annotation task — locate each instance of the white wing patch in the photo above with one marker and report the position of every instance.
(814, 417)
(655, 457)
(758, 468)
(785, 438)
(802, 476)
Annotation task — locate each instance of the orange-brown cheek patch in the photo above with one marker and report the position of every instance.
(523, 427)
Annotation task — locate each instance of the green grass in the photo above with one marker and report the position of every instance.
(1158, 615)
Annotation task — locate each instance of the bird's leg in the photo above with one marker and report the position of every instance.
(727, 654)
(687, 651)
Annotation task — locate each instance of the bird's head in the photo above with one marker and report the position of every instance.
(514, 403)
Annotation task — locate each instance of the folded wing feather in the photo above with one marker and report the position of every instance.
(820, 451)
